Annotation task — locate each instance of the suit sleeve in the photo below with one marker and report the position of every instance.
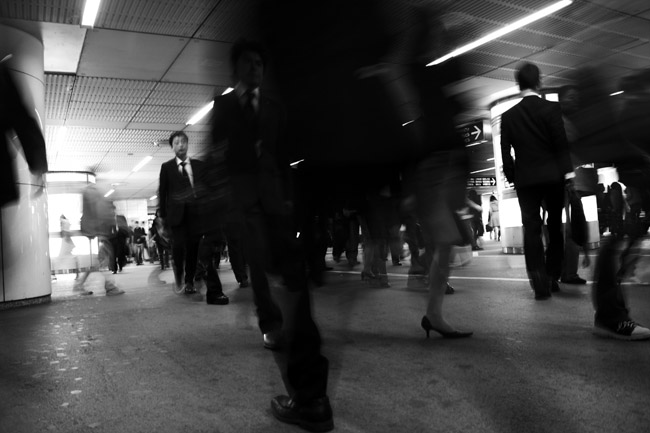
(163, 192)
(506, 144)
(560, 142)
(25, 126)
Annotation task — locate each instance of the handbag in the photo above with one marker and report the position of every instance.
(488, 228)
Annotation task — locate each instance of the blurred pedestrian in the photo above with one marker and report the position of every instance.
(97, 221)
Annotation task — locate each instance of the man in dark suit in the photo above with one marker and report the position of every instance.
(180, 192)
(248, 137)
(540, 171)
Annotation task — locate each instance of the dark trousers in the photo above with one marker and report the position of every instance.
(210, 246)
(542, 268)
(608, 298)
(233, 232)
(270, 244)
(185, 251)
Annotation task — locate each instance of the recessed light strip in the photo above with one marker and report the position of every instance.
(142, 163)
(90, 13)
(110, 191)
(205, 110)
(505, 30)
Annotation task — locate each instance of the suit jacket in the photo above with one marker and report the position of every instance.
(534, 128)
(175, 197)
(253, 153)
(15, 116)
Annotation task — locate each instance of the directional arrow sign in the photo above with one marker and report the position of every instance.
(472, 132)
(476, 133)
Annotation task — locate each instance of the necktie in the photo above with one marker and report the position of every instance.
(249, 108)
(184, 173)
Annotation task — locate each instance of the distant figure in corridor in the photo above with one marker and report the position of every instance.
(180, 191)
(97, 221)
(540, 171)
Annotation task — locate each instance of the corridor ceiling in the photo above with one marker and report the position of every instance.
(147, 66)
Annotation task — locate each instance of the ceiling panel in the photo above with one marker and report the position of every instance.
(642, 50)
(231, 20)
(111, 90)
(201, 62)
(182, 95)
(128, 55)
(169, 17)
(55, 11)
(631, 7)
(632, 27)
(559, 57)
(164, 114)
(58, 90)
(508, 49)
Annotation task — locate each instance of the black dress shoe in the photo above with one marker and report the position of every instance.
(219, 299)
(315, 416)
(244, 284)
(542, 296)
(555, 287)
(574, 280)
(449, 290)
(273, 340)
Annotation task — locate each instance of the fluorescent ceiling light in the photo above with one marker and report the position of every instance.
(153, 197)
(480, 171)
(90, 13)
(110, 191)
(200, 114)
(490, 159)
(293, 164)
(142, 163)
(616, 93)
(406, 123)
(505, 30)
(206, 109)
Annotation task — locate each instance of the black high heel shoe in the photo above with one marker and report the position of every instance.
(427, 326)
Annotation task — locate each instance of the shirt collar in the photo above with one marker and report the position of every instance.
(240, 90)
(529, 92)
(179, 161)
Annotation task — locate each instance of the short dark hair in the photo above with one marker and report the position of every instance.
(527, 76)
(243, 45)
(177, 134)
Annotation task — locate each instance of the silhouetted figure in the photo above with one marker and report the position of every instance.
(541, 169)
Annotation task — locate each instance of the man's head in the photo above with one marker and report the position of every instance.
(178, 142)
(248, 60)
(527, 77)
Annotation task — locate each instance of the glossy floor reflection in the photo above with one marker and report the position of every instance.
(153, 361)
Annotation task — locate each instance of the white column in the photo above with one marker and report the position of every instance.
(24, 253)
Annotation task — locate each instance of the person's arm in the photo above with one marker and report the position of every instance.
(163, 191)
(560, 142)
(24, 124)
(506, 144)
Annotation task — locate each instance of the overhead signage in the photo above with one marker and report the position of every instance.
(472, 132)
(481, 181)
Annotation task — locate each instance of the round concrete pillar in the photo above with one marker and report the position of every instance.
(24, 252)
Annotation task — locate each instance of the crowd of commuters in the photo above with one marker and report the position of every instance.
(339, 113)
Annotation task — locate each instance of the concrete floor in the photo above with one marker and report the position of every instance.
(153, 361)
